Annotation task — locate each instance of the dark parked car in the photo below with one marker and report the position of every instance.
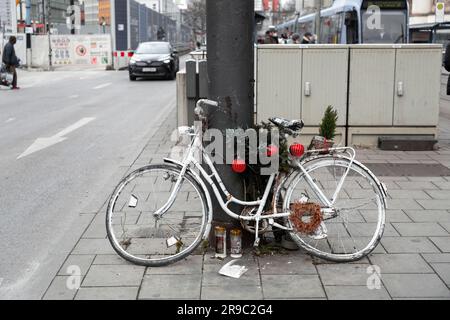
(154, 59)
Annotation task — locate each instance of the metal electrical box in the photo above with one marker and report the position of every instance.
(417, 88)
(377, 89)
(324, 76)
(371, 88)
(279, 78)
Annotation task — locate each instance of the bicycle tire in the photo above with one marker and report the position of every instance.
(330, 160)
(155, 262)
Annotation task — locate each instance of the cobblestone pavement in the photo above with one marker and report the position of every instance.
(413, 257)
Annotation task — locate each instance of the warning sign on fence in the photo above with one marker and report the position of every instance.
(81, 50)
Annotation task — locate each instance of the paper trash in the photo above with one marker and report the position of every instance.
(133, 201)
(233, 271)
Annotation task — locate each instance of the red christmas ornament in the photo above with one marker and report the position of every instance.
(239, 165)
(297, 149)
(272, 150)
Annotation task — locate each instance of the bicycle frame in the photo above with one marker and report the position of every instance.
(190, 159)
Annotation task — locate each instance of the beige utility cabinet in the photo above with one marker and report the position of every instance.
(325, 75)
(371, 89)
(279, 77)
(417, 87)
(377, 89)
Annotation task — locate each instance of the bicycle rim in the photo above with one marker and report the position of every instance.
(140, 236)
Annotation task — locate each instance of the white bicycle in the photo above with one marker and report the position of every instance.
(161, 213)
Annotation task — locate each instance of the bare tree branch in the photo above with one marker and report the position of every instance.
(196, 17)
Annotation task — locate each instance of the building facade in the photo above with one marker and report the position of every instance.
(8, 16)
(423, 11)
(104, 11)
(271, 5)
(40, 14)
(168, 7)
(91, 12)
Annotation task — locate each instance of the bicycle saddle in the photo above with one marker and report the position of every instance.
(294, 125)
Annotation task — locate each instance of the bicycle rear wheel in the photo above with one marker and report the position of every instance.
(356, 225)
(138, 234)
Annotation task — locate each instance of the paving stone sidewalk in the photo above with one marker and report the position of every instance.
(413, 257)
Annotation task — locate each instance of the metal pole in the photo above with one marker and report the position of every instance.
(317, 23)
(271, 13)
(230, 25)
(49, 15)
(28, 34)
(2, 25)
(43, 16)
(112, 24)
(28, 9)
(72, 21)
(21, 11)
(128, 26)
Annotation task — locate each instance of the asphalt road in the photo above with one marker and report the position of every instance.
(94, 124)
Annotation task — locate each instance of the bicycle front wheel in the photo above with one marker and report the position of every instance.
(355, 224)
(140, 233)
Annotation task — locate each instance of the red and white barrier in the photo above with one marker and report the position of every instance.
(122, 59)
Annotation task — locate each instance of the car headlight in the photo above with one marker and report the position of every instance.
(165, 59)
(134, 60)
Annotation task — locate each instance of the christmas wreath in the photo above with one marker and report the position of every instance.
(300, 211)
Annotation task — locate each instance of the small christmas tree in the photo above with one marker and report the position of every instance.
(329, 121)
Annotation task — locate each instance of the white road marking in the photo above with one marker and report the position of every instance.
(103, 86)
(10, 120)
(42, 143)
(74, 96)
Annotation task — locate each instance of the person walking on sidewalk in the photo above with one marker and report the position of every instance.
(447, 66)
(10, 59)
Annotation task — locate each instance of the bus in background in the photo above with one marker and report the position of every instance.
(352, 21)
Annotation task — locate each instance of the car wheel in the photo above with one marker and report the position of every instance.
(132, 78)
